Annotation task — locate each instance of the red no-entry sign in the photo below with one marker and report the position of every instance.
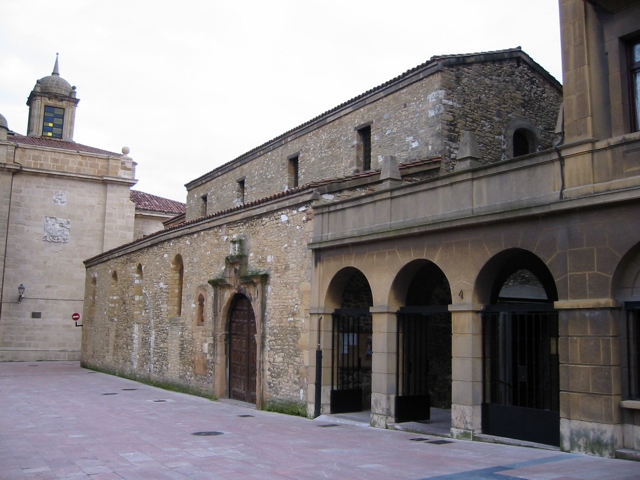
(75, 317)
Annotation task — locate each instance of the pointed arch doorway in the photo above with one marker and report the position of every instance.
(243, 351)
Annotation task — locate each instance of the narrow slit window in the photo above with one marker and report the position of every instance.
(364, 148)
(634, 70)
(293, 172)
(240, 191)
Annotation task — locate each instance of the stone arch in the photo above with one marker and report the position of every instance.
(520, 352)
(350, 297)
(424, 341)
(502, 266)
(176, 279)
(349, 288)
(417, 274)
(626, 290)
(625, 284)
(522, 138)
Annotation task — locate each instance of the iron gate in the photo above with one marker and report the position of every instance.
(350, 359)
(521, 372)
(413, 400)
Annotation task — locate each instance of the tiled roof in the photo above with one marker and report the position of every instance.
(55, 143)
(153, 203)
(286, 193)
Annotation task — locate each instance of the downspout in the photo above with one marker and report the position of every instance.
(556, 147)
(6, 238)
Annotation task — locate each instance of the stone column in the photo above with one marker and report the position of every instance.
(384, 365)
(590, 377)
(320, 316)
(466, 370)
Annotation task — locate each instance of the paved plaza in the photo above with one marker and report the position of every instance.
(58, 420)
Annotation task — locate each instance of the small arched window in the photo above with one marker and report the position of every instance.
(137, 293)
(522, 138)
(113, 297)
(200, 311)
(175, 287)
(520, 143)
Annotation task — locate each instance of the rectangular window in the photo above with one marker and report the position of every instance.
(293, 172)
(364, 148)
(240, 191)
(52, 123)
(634, 70)
(633, 349)
(203, 205)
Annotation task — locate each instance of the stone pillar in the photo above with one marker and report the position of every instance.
(590, 377)
(466, 371)
(384, 365)
(322, 317)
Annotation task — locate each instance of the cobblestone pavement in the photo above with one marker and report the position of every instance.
(58, 420)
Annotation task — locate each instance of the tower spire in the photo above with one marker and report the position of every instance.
(56, 71)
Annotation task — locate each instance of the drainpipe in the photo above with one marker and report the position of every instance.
(318, 399)
(6, 238)
(556, 147)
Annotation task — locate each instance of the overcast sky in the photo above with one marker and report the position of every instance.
(189, 85)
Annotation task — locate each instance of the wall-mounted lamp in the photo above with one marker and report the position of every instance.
(21, 290)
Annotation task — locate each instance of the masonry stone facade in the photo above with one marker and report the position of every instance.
(452, 239)
(61, 202)
(417, 115)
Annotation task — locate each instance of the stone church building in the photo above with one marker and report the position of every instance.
(463, 237)
(62, 202)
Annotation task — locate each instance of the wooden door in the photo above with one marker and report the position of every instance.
(243, 349)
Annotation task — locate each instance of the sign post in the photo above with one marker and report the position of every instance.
(75, 317)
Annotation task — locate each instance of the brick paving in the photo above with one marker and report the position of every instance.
(58, 420)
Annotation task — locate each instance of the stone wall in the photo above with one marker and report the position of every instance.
(155, 344)
(489, 98)
(59, 207)
(421, 120)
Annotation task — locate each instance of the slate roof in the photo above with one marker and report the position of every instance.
(153, 203)
(56, 143)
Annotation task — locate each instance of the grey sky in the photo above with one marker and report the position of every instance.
(191, 85)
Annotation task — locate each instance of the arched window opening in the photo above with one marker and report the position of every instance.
(200, 311)
(521, 144)
(137, 293)
(113, 297)
(175, 287)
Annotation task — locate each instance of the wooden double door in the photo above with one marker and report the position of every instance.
(243, 350)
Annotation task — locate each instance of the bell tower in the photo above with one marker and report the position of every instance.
(52, 107)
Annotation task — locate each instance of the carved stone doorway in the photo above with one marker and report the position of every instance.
(243, 351)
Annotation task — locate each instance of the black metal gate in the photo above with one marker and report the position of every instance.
(521, 372)
(351, 359)
(413, 400)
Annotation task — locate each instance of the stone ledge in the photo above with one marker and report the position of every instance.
(627, 454)
(588, 303)
(630, 404)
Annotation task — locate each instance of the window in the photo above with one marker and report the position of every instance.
(203, 205)
(634, 70)
(175, 287)
(240, 191)
(113, 297)
(364, 148)
(293, 171)
(633, 348)
(52, 124)
(200, 311)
